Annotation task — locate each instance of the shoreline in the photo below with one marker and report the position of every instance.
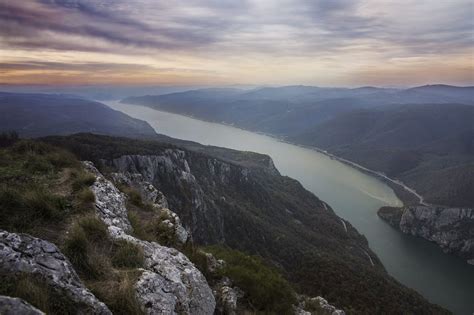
(407, 195)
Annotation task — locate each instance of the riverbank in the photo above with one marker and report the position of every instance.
(407, 195)
(354, 195)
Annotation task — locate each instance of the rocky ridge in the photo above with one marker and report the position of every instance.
(27, 255)
(170, 283)
(451, 228)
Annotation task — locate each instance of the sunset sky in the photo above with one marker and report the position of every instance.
(325, 42)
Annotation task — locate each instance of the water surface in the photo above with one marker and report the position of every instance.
(355, 196)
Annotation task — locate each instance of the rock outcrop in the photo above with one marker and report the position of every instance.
(451, 228)
(172, 167)
(154, 197)
(15, 306)
(24, 254)
(170, 283)
(315, 306)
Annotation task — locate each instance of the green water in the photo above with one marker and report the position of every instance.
(443, 279)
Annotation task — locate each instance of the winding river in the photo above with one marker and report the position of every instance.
(354, 196)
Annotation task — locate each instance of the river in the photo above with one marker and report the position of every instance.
(355, 196)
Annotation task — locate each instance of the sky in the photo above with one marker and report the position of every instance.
(228, 42)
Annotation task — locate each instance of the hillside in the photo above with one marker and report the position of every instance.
(240, 200)
(426, 143)
(36, 115)
(290, 110)
(429, 147)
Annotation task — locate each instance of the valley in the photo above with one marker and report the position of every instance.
(353, 195)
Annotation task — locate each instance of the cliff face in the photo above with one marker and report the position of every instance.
(239, 199)
(170, 283)
(451, 228)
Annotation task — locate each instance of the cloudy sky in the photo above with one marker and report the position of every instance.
(316, 42)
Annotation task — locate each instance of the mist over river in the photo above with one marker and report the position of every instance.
(354, 196)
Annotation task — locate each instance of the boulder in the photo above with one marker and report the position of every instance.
(15, 306)
(24, 254)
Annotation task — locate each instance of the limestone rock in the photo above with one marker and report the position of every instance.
(170, 284)
(146, 189)
(22, 253)
(451, 228)
(109, 201)
(14, 306)
(326, 307)
(155, 197)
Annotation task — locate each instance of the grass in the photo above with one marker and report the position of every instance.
(152, 228)
(85, 196)
(127, 255)
(36, 291)
(81, 179)
(45, 191)
(86, 247)
(22, 210)
(118, 293)
(135, 198)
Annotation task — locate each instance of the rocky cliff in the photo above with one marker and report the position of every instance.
(451, 228)
(239, 200)
(170, 283)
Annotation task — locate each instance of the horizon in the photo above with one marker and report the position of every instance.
(338, 43)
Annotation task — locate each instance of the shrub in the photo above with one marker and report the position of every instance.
(127, 255)
(265, 289)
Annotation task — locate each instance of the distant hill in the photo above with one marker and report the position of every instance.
(428, 142)
(430, 147)
(35, 115)
(289, 110)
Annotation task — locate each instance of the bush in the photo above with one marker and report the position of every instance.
(266, 290)
(127, 255)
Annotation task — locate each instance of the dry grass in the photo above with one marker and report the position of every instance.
(119, 293)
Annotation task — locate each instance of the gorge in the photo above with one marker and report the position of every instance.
(353, 195)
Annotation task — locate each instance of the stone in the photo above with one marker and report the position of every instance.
(22, 253)
(15, 306)
(170, 283)
(150, 194)
(451, 228)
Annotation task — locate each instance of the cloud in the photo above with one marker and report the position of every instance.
(221, 34)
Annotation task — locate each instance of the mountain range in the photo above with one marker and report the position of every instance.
(422, 135)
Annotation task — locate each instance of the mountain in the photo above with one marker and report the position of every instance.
(36, 115)
(239, 200)
(290, 110)
(429, 147)
(421, 135)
